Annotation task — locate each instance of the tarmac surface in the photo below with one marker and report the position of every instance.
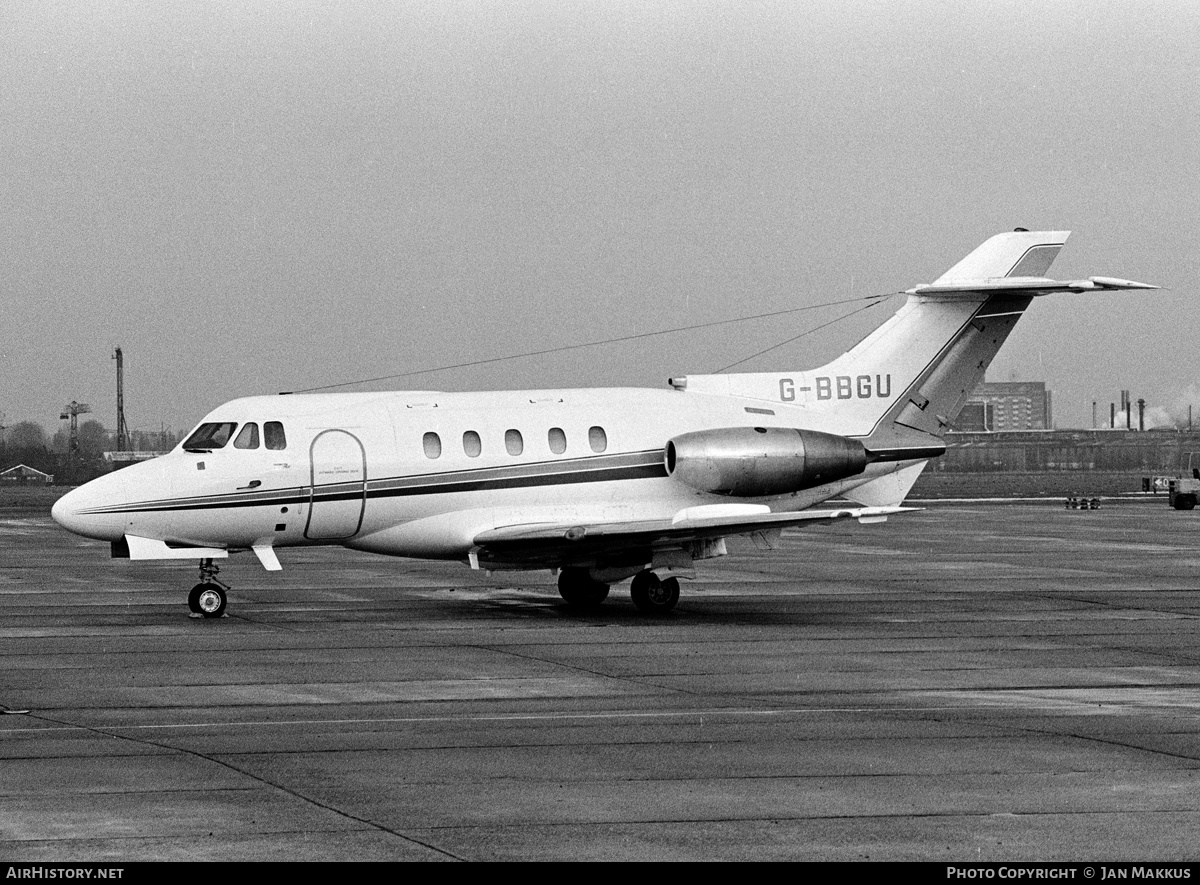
(975, 682)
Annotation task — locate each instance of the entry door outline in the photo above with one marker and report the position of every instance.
(340, 518)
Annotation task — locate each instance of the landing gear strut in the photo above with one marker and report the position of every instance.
(654, 596)
(207, 599)
(576, 586)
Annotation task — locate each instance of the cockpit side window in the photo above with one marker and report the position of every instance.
(210, 436)
(273, 435)
(248, 438)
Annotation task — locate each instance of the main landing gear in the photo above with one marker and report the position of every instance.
(207, 599)
(576, 586)
(650, 594)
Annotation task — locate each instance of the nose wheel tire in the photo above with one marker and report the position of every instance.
(207, 600)
(654, 596)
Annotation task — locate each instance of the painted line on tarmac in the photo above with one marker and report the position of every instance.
(526, 717)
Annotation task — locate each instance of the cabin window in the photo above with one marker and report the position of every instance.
(210, 436)
(273, 436)
(513, 442)
(433, 445)
(558, 440)
(471, 444)
(597, 439)
(248, 438)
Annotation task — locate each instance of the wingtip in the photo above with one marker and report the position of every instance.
(1116, 283)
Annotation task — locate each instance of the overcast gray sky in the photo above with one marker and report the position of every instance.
(257, 196)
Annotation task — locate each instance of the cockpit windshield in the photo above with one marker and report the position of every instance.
(210, 436)
(217, 434)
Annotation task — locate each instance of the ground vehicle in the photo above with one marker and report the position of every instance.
(1184, 490)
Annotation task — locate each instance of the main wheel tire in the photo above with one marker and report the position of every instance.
(578, 589)
(194, 598)
(652, 595)
(1186, 502)
(207, 600)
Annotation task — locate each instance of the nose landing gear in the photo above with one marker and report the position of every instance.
(207, 599)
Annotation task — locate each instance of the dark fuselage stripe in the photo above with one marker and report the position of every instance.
(483, 479)
(604, 474)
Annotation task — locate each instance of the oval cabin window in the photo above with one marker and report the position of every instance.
(471, 444)
(433, 445)
(513, 442)
(597, 439)
(558, 440)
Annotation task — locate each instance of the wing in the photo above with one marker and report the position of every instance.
(554, 544)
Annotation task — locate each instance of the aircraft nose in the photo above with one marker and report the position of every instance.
(66, 512)
(61, 511)
(71, 512)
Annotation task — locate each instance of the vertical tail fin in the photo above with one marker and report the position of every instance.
(936, 348)
(1021, 253)
(914, 373)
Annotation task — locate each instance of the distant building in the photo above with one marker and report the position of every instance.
(1007, 405)
(24, 475)
(124, 459)
(1052, 451)
(975, 417)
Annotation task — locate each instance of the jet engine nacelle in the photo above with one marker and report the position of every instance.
(748, 462)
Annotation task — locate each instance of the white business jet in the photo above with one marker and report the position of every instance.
(600, 485)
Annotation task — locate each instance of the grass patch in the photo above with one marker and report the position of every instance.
(29, 500)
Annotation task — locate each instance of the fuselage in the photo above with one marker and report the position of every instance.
(420, 473)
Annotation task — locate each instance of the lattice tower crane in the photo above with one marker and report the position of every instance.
(73, 410)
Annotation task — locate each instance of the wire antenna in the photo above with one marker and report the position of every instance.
(802, 334)
(872, 299)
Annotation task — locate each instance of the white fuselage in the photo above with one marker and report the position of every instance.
(422, 473)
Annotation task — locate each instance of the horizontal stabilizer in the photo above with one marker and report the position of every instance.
(1024, 286)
